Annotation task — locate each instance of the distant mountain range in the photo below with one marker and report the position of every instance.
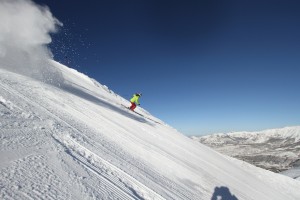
(276, 149)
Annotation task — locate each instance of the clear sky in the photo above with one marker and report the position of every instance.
(202, 66)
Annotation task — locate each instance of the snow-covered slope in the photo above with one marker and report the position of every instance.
(274, 149)
(75, 140)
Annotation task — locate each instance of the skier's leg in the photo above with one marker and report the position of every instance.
(133, 106)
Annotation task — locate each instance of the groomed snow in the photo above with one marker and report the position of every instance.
(75, 140)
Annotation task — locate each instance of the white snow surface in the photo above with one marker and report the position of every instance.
(76, 140)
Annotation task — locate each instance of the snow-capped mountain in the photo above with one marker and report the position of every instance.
(276, 149)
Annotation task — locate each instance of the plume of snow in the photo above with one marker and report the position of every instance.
(25, 29)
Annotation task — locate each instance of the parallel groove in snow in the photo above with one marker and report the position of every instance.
(169, 190)
(101, 151)
(102, 168)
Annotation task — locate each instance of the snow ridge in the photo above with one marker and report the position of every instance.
(76, 141)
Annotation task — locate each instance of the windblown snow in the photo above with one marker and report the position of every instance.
(66, 136)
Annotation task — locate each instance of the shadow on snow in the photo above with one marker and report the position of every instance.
(82, 94)
(223, 193)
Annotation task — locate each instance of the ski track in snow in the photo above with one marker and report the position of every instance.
(17, 133)
(23, 138)
(106, 170)
(71, 143)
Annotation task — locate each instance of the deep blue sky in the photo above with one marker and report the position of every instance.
(202, 66)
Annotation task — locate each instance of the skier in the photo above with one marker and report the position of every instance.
(135, 101)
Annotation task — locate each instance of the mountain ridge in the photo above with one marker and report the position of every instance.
(273, 149)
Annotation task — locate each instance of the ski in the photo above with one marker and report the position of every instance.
(141, 114)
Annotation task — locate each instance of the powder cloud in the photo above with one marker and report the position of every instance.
(25, 29)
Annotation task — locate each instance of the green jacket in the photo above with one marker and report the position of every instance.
(135, 99)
